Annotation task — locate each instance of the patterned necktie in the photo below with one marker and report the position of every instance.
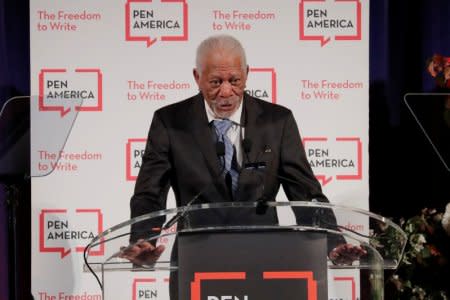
(222, 127)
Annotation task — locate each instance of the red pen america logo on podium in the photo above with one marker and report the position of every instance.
(149, 288)
(150, 21)
(135, 148)
(262, 83)
(338, 159)
(347, 286)
(63, 90)
(326, 20)
(63, 231)
(201, 278)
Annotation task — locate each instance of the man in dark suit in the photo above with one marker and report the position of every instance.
(182, 153)
(186, 145)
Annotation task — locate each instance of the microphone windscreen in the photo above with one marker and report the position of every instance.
(220, 149)
(246, 145)
(261, 207)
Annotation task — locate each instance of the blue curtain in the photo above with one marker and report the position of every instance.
(405, 173)
(15, 81)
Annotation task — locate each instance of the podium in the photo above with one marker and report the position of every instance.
(26, 129)
(235, 250)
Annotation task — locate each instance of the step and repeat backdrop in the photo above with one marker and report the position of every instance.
(109, 65)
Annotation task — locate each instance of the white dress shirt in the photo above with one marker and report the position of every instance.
(235, 133)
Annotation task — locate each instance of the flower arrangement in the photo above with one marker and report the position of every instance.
(438, 67)
(424, 272)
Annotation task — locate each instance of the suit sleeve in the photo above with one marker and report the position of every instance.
(153, 181)
(295, 166)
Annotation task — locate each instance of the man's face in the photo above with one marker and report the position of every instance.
(222, 82)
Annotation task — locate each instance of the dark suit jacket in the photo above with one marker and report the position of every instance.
(181, 153)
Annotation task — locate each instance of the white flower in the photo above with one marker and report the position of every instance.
(417, 241)
(421, 239)
(446, 219)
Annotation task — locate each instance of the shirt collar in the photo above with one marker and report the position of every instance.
(235, 117)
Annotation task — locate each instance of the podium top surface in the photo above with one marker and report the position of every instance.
(383, 240)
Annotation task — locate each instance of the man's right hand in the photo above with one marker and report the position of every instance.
(142, 253)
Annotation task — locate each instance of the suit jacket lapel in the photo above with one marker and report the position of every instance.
(202, 134)
(204, 138)
(252, 121)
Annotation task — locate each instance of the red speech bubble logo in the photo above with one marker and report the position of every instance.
(143, 25)
(57, 220)
(318, 23)
(308, 275)
(263, 84)
(352, 284)
(140, 290)
(134, 150)
(202, 276)
(57, 94)
(99, 105)
(331, 163)
(147, 288)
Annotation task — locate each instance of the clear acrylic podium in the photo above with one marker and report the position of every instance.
(29, 125)
(234, 249)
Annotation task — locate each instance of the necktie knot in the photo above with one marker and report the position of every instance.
(222, 126)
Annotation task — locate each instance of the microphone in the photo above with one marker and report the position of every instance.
(247, 147)
(317, 216)
(220, 150)
(321, 216)
(180, 215)
(257, 164)
(321, 219)
(261, 207)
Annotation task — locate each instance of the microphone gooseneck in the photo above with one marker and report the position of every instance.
(220, 151)
(247, 147)
(261, 206)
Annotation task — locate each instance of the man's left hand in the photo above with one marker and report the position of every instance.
(346, 254)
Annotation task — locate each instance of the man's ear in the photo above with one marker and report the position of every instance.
(196, 75)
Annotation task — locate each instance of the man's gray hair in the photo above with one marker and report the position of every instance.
(222, 42)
